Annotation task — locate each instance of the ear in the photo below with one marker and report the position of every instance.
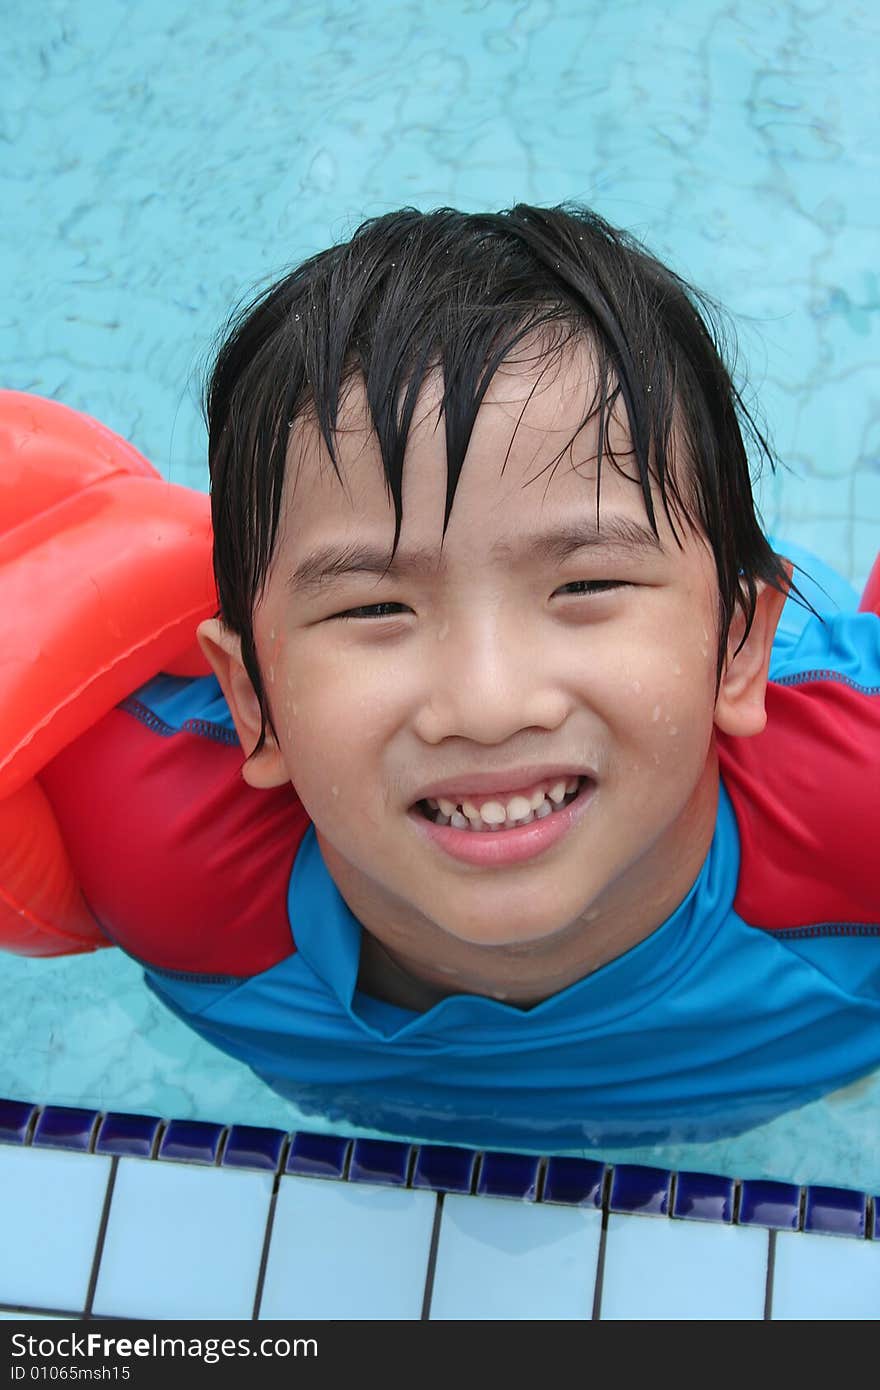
(222, 649)
(739, 709)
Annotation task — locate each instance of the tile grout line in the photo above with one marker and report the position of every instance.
(264, 1253)
(476, 1173)
(541, 1179)
(596, 1314)
(102, 1235)
(771, 1270)
(270, 1224)
(432, 1259)
(25, 1308)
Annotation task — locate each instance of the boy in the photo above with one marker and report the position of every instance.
(560, 866)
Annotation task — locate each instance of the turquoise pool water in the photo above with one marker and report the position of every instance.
(160, 161)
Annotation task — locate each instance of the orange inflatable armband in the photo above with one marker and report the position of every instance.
(105, 572)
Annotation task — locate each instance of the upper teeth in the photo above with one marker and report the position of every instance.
(517, 808)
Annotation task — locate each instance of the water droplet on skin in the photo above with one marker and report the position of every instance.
(637, 687)
(271, 675)
(443, 633)
(676, 670)
(334, 791)
(657, 759)
(272, 635)
(672, 731)
(656, 714)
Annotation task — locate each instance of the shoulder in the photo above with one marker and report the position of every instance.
(185, 866)
(804, 792)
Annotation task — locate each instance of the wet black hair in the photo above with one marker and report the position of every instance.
(414, 291)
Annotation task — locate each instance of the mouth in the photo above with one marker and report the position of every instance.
(492, 814)
(488, 837)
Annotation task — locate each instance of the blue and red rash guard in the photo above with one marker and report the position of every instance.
(760, 992)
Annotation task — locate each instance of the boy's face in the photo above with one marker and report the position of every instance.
(499, 659)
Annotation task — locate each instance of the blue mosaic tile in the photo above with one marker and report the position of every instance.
(380, 1160)
(575, 1181)
(444, 1168)
(132, 1136)
(835, 1211)
(509, 1175)
(191, 1141)
(65, 1127)
(15, 1117)
(703, 1197)
(317, 1155)
(645, 1190)
(253, 1146)
(774, 1204)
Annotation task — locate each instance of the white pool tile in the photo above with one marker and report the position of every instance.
(656, 1268)
(183, 1241)
(515, 1260)
(825, 1278)
(347, 1250)
(50, 1213)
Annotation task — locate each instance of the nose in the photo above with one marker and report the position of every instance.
(487, 681)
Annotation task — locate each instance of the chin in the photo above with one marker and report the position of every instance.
(491, 938)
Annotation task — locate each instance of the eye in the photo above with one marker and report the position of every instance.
(371, 610)
(595, 586)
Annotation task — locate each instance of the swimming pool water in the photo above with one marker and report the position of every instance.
(161, 161)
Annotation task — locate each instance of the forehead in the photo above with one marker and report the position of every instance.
(532, 455)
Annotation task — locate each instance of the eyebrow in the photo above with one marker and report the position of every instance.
(620, 535)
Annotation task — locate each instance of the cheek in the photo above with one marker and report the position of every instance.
(333, 734)
(327, 767)
(665, 723)
(315, 725)
(271, 656)
(356, 696)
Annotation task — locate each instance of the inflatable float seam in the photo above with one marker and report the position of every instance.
(52, 928)
(150, 641)
(59, 503)
(201, 727)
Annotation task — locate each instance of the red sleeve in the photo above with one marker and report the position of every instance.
(184, 865)
(805, 796)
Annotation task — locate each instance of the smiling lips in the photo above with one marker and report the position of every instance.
(527, 838)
